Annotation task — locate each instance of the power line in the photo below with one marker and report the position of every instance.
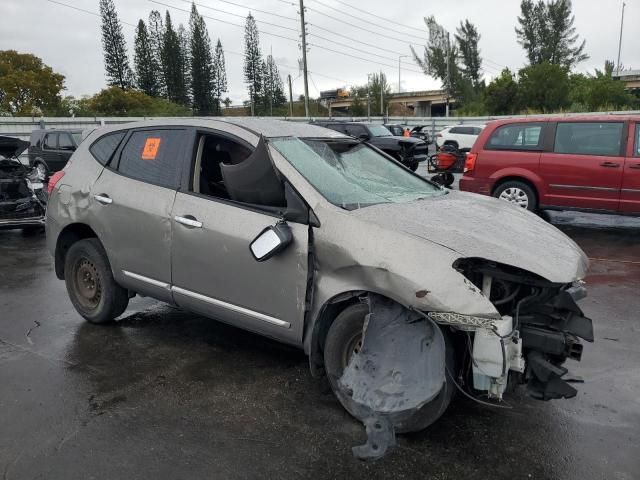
(395, 52)
(87, 11)
(377, 16)
(385, 27)
(261, 11)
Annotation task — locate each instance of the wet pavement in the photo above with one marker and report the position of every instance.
(168, 394)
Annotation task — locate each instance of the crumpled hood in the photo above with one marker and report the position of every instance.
(484, 227)
(12, 147)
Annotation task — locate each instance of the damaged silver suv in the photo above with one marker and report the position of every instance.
(398, 290)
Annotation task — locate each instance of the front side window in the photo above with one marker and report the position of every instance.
(356, 130)
(50, 141)
(104, 148)
(352, 175)
(589, 138)
(638, 139)
(518, 136)
(153, 156)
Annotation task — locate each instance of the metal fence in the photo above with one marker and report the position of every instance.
(21, 127)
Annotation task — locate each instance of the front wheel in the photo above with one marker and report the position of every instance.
(518, 193)
(90, 284)
(345, 338)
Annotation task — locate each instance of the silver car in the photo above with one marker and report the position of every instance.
(400, 291)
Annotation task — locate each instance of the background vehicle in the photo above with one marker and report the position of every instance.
(50, 149)
(407, 150)
(397, 129)
(22, 200)
(422, 132)
(459, 136)
(589, 163)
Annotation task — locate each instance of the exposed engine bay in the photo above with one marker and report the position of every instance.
(22, 196)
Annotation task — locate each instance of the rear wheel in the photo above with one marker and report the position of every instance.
(345, 338)
(518, 193)
(90, 284)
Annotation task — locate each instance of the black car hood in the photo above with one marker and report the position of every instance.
(394, 140)
(12, 147)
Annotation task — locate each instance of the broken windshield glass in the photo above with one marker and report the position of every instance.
(352, 175)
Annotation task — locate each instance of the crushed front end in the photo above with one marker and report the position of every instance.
(539, 328)
(22, 199)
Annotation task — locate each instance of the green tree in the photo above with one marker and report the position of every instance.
(467, 38)
(272, 87)
(599, 91)
(219, 77)
(156, 36)
(114, 101)
(501, 96)
(253, 69)
(227, 102)
(378, 83)
(201, 62)
(146, 66)
(173, 64)
(544, 87)
(546, 31)
(28, 86)
(116, 62)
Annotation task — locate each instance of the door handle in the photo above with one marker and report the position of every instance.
(103, 199)
(188, 221)
(636, 166)
(610, 164)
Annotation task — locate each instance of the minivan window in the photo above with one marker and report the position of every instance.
(516, 136)
(104, 148)
(153, 156)
(589, 138)
(351, 174)
(637, 138)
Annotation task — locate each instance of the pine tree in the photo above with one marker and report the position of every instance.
(116, 63)
(219, 77)
(156, 35)
(173, 65)
(467, 38)
(185, 58)
(201, 65)
(253, 68)
(273, 87)
(547, 34)
(146, 66)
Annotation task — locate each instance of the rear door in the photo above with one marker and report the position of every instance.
(630, 192)
(583, 168)
(50, 153)
(131, 203)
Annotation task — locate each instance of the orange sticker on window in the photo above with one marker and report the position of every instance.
(150, 149)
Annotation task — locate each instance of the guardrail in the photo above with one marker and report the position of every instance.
(21, 127)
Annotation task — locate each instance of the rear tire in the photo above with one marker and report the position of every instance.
(518, 193)
(90, 284)
(344, 339)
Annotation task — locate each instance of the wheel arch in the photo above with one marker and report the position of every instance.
(516, 178)
(69, 235)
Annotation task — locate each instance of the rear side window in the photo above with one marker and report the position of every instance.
(153, 156)
(516, 136)
(50, 141)
(64, 142)
(589, 138)
(456, 130)
(105, 146)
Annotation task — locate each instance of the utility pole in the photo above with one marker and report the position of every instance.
(620, 41)
(368, 96)
(303, 29)
(381, 96)
(290, 97)
(448, 82)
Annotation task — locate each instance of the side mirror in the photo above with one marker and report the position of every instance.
(270, 241)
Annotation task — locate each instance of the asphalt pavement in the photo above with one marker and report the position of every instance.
(168, 394)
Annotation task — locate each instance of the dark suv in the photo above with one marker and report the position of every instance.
(49, 149)
(407, 150)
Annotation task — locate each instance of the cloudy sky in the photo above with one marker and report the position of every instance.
(339, 54)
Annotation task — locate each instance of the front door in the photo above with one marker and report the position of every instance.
(132, 201)
(584, 169)
(50, 153)
(630, 193)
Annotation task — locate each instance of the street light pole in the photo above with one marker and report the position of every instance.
(620, 41)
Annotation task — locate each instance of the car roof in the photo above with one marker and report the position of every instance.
(270, 128)
(60, 130)
(564, 118)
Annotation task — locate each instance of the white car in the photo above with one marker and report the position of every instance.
(460, 136)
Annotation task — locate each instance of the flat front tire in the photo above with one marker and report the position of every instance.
(90, 284)
(345, 338)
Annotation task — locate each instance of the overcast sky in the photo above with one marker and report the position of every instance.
(69, 40)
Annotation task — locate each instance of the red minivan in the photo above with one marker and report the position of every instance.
(589, 163)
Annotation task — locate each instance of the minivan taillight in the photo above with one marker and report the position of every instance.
(470, 162)
(53, 179)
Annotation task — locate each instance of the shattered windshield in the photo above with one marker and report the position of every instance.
(352, 175)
